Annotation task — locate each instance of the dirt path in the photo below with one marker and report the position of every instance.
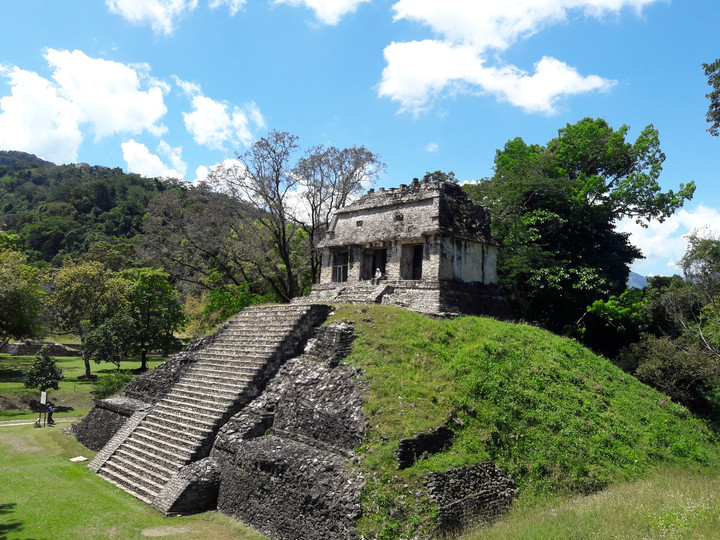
(28, 422)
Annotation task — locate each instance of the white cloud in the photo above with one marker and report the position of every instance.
(141, 161)
(34, 118)
(233, 5)
(215, 124)
(432, 147)
(419, 72)
(47, 117)
(663, 244)
(160, 14)
(327, 11)
(107, 94)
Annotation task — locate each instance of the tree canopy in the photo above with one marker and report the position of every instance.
(712, 72)
(44, 372)
(554, 208)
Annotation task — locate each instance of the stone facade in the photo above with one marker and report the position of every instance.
(105, 419)
(469, 496)
(431, 244)
(286, 459)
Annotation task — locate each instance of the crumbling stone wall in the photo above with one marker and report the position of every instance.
(194, 489)
(285, 459)
(411, 449)
(96, 428)
(468, 496)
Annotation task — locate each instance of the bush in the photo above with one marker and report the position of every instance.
(111, 384)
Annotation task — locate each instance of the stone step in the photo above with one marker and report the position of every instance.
(180, 449)
(132, 479)
(172, 423)
(225, 388)
(202, 395)
(237, 366)
(139, 492)
(207, 357)
(154, 450)
(239, 347)
(169, 415)
(173, 437)
(221, 373)
(199, 402)
(155, 471)
(199, 418)
(209, 409)
(170, 426)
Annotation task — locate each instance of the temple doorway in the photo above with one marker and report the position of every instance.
(340, 266)
(411, 259)
(371, 261)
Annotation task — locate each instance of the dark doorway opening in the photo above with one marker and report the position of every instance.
(372, 260)
(411, 261)
(340, 266)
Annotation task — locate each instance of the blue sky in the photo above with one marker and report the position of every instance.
(174, 87)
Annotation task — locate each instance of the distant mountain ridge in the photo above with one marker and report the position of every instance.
(637, 281)
(17, 160)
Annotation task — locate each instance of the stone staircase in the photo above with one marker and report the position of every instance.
(228, 374)
(360, 293)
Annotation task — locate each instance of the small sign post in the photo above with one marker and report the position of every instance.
(43, 412)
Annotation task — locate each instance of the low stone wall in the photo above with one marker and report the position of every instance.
(31, 348)
(468, 496)
(108, 416)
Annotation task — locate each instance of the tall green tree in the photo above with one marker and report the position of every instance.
(85, 295)
(554, 208)
(155, 312)
(712, 72)
(150, 318)
(44, 372)
(19, 297)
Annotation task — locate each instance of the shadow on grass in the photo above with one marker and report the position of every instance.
(6, 528)
(11, 375)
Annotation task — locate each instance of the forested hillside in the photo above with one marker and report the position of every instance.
(59, 211)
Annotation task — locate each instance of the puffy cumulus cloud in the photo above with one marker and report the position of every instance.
(141, 161)
(418, 72)
(215, 124)
(47, 117)
(161, 15)
(663, 244)
(35, 118)
(107, 93)
(469, 31)
(540, 91)
(327, 11)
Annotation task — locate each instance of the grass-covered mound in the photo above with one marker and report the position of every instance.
(546, 410)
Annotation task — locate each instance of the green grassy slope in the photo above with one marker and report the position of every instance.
(556, 417)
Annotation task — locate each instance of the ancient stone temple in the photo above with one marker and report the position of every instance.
(430, 243)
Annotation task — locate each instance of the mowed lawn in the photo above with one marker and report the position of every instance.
(73, 399)
(45, 496)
